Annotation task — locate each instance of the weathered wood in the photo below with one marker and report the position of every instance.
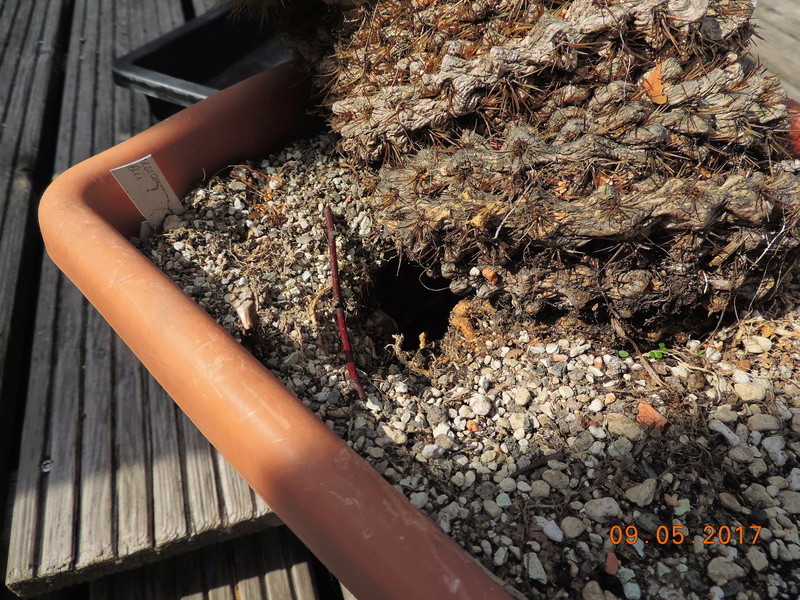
(101, 589)
(218, 572)
(248, 578)
(160, 583)
(201, 480)
(779, 26)
(237, 497)
(29, 31)
(95, 486)
(131, 475)
(189, 578)
(25, 530)
(58, 519)
(96, 539)
(274, 567)
(262, 508)
(128, 586)
(169, 512)
(132, 483)
(298, 561)
(233, 570)
(131, 479)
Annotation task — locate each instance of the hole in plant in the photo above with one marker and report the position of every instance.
(415, 301)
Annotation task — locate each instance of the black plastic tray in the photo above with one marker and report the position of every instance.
(200, 58)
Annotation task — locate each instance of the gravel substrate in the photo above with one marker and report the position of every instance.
(532, 445)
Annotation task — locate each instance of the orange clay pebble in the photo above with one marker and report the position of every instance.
(612, 563)
(649, 416)
(472, 425)
(491, 275)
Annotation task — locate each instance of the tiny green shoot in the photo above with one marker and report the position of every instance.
(660, 352)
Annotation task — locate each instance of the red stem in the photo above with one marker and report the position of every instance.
(339, 304)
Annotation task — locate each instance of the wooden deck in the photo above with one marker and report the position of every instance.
(267, 566)
(272, 565)
(778, 24)
(109, 474)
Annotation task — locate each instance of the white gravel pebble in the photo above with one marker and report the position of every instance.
(550, 529)
(721, 428)
(757, 344)
(480, 405)
(721, 570)
(602, 510)
(642, 494)
(750, 392)
(534, 567)
(763, 422)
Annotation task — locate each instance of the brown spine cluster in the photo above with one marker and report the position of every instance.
(638, 142)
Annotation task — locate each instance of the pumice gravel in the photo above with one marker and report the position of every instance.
(569, 467)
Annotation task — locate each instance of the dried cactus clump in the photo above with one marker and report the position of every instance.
(599, 153)
(308, 26)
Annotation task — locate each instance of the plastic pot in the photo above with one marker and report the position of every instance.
(199, 58)
(360, 527)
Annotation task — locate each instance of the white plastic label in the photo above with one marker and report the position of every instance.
(150, 191)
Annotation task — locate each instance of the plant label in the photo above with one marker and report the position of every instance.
(146, 186)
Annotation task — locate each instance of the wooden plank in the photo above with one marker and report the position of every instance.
(248, 576)
(133, 485)
(233, 570)
(277, 582)
(189, 578)
(15, 27)
(28, 35)
(172, 16)
(61, 486)
(237, 497)
(298, 561)
(128, 586)
(96, 526)
(101, 589)
(25, 528)
(280, 559)
(169, 512)
(201, 481)
(58, 519)
(218, 571)
(779, 26)
(96, 521)
(262, 508)
(135, 480)
(159, 581)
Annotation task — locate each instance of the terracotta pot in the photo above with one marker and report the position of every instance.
(361, 528)
(794, 125)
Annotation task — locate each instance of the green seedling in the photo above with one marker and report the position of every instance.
(660, 352)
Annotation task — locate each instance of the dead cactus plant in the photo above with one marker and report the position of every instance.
(621, 158)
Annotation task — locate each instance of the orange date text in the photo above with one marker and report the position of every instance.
(678, 534)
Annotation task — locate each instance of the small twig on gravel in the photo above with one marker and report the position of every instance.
(339, 304)
(620, 331)
(312, 307)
